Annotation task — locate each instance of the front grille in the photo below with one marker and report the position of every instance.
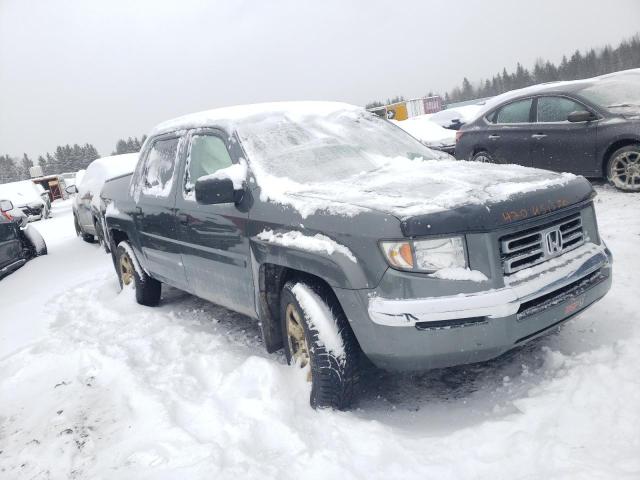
(532, 246)
(31, 211)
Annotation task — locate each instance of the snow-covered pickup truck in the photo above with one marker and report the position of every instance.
(347, 238)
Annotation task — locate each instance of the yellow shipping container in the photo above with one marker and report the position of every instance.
(397, 111)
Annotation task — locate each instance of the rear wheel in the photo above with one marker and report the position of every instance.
(483, 157)
(130, 274)
(623, 168)
(87, 237)
(317, 337)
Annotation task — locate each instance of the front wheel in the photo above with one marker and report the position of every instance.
(317, 337)
(130, 274)
(623, 168)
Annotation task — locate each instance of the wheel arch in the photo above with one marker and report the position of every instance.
(271, 280)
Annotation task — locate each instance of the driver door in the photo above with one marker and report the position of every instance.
(215, 246)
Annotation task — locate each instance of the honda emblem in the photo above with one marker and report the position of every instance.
(553, 242)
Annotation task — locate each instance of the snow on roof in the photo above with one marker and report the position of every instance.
(228, 116)
(105, 168)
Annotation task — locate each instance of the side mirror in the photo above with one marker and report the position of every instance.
(581, 116)
(71, 189)
(6, 205)
(212, 191)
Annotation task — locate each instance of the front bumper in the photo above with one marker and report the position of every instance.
(417, 334)
(494, 303)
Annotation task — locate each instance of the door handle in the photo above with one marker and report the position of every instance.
(538, 136)
(183, 218)
(494, 137)
(138, 210)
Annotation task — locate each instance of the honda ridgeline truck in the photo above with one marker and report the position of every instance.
(346, 238)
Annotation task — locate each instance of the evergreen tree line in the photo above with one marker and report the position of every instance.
(65, 158)
(579, 65)
(130, 145)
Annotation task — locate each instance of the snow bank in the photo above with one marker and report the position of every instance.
(321, 319)
(93, 385)
(428, 131)
(315, 243)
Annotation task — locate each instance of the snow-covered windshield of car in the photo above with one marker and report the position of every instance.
(614, 94)
(325, 148)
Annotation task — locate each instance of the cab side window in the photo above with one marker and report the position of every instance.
(157, 176)
(556, 109)
(516, 112)
(207, 155)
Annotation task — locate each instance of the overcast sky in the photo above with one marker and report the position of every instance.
(81, 71)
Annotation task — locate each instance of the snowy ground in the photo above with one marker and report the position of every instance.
(94, 386)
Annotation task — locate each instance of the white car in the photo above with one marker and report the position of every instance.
(26, 196)
(86, 204)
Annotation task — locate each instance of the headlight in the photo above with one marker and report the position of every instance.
(425, 255)
(439, 253)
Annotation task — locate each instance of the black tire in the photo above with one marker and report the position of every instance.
(28, 249)
(100, 234)
(483, 157)
(76, 225)
(623, 168)
(128, 268)
(87, 237)
(33, 245)
(333, 378)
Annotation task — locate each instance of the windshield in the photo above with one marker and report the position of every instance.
(325, 148)
(615, 94)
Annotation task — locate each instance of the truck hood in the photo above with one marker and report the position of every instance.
(427, 194)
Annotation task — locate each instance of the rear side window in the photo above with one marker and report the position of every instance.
(516, 112)
(207, 155)
(157, 177)
(556, 109)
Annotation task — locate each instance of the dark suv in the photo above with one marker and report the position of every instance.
(588, 127)
(346, 237)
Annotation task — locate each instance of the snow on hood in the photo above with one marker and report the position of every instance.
(20, 193)
(464, 114)
(406, 188)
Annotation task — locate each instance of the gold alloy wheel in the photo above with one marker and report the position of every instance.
(625, 170)
(126, 269)
(297, 341)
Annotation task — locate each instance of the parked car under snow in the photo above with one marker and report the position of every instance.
(30, 198)
(87, 208)
(19, 242)
(344, 236)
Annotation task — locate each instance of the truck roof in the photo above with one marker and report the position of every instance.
(227, 117)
